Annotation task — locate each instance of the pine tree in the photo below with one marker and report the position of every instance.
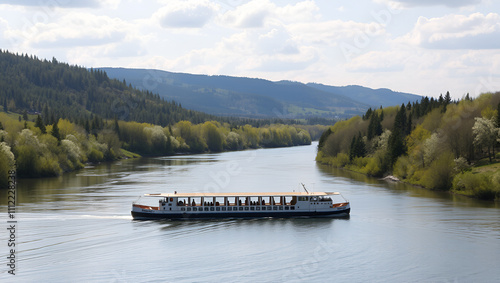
(116, 128)
(498, 115)
(358, 147)
(55, 131)
(1, 126)
(25, 115)
(447, 98)
(5, 108)
(352, 148)
(409, 126)
(45, 114)
(322, 139)
(400, 119)
(375, 127)
(368, 114)
(39, 124)
(396, 146)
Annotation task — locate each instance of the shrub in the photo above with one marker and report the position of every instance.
(402, 167)
(481, 185)
(439, 175)
(340, 160)
(373, 168)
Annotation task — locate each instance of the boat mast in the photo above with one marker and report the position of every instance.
(304, 186)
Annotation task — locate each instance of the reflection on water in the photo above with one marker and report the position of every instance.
(77, 227)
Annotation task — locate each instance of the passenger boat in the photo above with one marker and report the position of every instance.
(242, 205)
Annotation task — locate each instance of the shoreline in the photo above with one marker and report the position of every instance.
(394, 179)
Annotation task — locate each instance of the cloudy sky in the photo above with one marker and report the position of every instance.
(425, 47)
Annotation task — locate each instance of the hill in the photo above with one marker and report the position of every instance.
(373, 97)
(437, 144)
(250, 97)
(58, 90)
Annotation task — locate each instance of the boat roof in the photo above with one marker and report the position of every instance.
(247, 194)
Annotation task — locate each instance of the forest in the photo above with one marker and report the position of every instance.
(41, 150)
(438, 144)
(55, 118)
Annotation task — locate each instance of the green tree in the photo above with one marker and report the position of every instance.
(498, 115)
(39, 124)
(368, 114)
(55, 131)
(323, 138)
(212, 136)
(6, 161)
(358, 147)
(396, 145)
(485, 135)
(375, 126)
(116, 127)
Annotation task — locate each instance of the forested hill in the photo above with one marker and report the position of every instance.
(58, 90)
(435, 143)
(373, 97)
(250, 97)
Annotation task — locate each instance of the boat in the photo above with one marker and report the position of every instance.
(184, 206)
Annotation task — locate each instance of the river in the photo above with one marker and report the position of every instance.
(78, 227)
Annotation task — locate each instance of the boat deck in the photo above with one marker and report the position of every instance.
(247, 194)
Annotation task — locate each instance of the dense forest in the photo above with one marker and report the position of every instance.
(435, 143)
(55, 118)
(48, 150)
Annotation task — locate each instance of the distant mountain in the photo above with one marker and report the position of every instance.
(258, 98)
(374, 97)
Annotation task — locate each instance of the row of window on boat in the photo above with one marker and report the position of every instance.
(236, 208)
(286, 201)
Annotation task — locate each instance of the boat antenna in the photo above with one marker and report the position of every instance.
(304, 186)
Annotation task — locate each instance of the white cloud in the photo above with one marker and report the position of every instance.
(250, 15)
(56, 3)
(379, 61)
(335, 32)
(476, 31)
(448, 3)
(257, 13)
(186, 14)
(270, 50)
(53, 4)
(78, 29)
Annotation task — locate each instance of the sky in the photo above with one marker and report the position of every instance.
(425, 47)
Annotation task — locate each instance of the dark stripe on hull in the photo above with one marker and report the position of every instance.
(186, 216)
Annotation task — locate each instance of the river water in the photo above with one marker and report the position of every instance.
(78, 227)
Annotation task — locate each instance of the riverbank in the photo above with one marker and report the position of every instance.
(476, 182)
